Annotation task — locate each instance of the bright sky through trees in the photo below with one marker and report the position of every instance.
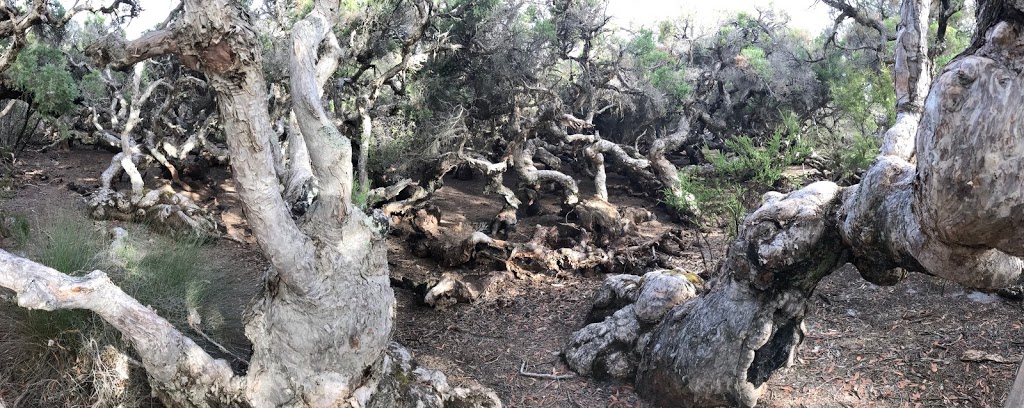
(808, 15)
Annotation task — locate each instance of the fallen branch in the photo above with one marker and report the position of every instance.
(194, 322)
(524, 373)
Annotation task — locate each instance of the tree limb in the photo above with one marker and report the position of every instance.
(172, 359)
(330, 151)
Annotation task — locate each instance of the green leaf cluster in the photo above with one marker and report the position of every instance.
(663, 70)
(758, 61)
(41, 71)
(763, 165)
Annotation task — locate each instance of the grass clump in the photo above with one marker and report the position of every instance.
(72, 357)
(169, 278)
(713, 201)
(72, 246)
(17, 228)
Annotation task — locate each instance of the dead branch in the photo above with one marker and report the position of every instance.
(524, 373)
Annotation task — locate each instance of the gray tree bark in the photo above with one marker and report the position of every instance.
(321, 330)
(953, 214)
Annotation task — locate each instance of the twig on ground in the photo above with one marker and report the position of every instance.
(524, 373)
(194, 322)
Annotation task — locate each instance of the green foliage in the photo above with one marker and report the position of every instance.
(763, 165)
(758, 61)
(957, 39)
(42, 71)
(713, 201)
(662, 70)
(360, 194)
(169, 279)
(17, 227)
(746, 172)
(854, 157)
(92, 87)
(394, 143)
(542, 25)
(302, 8)
(63, 347)
(864, 105)
(863, 97)
(72, 246)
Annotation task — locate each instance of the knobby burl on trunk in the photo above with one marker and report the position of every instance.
(321, 331)
(943, 197)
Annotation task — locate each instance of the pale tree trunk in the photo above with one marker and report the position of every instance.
(720, 349)
(321, 329)
(954, 214)
(328, 318)
(181, 372)
(912, 79)
(300, 183)
(365, 136)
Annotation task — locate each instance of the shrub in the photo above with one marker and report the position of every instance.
(846, 157)
(762, 165)
(42, 71)
(714, 202)
(72, 245)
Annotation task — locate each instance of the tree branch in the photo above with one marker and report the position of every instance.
(330, 152)
(172, 359)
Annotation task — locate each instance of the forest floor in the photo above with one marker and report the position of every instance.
(921, 343)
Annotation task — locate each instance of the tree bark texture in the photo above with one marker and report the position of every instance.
(952, 214)
(912, 78)
(321, 329)
(719, 349)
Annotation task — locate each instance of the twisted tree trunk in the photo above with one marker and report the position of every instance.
(954, 214)
(321, 330)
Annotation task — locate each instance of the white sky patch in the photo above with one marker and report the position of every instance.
(808, 15)
(153, 12)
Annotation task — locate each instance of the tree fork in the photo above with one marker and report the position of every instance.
(720, 349)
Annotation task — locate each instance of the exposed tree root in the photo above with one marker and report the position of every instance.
(597, 238)
(625, 311)
(162, 208)
(401, 382)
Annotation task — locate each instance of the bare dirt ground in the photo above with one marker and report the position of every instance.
(922, 343)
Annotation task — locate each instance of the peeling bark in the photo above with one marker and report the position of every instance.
(970, 189)
(951, 215)
(182, 373)
(309, 349)
(912, 78)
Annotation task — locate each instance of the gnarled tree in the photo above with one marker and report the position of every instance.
(321, 330)
(948, 213)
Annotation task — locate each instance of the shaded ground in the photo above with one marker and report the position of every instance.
(867, 346)
(903, 346)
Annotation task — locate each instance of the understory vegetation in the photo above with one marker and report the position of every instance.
(594, 146)
(73, 358)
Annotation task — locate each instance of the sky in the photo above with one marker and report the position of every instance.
(154, 12)
(808, 15)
